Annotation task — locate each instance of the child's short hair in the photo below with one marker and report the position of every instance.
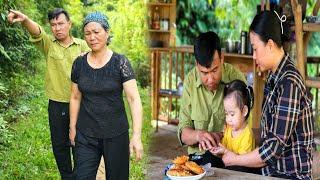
(242, 93)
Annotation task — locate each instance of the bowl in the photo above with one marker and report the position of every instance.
(195, 177)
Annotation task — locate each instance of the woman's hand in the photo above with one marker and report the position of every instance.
(229, 158)
(72, 135)
(136, 146)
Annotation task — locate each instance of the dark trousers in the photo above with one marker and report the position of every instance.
(217, 162)
(115, 152)
(59, 129)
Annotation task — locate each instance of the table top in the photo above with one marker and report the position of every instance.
(229, 174)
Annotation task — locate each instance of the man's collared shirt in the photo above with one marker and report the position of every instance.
(202, 109)
(59, 60)
(287, 124)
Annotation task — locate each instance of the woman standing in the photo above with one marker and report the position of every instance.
(98, 121)
(286, 122)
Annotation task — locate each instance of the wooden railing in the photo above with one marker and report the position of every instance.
(168, 68)
(170, 65)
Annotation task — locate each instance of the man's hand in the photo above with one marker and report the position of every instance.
(208, 140)
(217, 136)
(16, 16)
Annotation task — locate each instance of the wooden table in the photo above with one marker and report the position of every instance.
(229, 174)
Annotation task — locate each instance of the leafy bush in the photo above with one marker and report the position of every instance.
(21, 81)
(194, 17)
(5, 134)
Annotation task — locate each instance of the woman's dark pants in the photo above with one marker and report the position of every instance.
(115, 152)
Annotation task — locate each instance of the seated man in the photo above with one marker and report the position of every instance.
(202, 112)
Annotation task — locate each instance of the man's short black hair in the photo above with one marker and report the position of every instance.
(56, 12)
(205, 46)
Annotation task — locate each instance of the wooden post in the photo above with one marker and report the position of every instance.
(170, 83)
(297, 11)
(316, 8)
(177, 67)
(182, 66)
(317, 92)
(258, 89)
(153, 83)
(158, 80)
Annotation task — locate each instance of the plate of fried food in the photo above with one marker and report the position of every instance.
(183, 169)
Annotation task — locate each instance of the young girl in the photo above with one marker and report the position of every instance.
(238, 136)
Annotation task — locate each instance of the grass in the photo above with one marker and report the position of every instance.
(28, 154)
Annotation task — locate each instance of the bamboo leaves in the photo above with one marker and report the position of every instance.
(3, 52)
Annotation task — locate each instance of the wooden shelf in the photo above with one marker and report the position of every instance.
(311, 27)
(158, 31)
(245, 56)
(169, 95)
(313, 82)
(159, 4)
(313, 59)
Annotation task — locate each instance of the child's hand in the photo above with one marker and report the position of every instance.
(220, 150)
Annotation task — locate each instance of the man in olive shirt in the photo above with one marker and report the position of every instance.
(202, 113)
(60, 51)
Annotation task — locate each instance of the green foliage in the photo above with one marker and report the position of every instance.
(3, 93)
(5, 134)
(76, 10)
(4, 53)
(230, 27)
(194, 17)
(28, 154)
(25, 147)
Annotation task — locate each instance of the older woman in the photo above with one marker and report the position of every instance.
(287, 122)
(98, 121)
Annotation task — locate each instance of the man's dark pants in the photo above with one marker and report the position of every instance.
(59, 129)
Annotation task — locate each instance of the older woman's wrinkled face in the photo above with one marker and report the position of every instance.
(96, 36)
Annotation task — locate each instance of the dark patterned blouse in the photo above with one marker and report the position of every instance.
(102, 112)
